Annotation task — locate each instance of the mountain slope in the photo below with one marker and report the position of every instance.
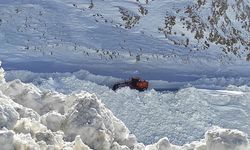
(221, 23)
(103, 36)
(135, 26)
(202, 24)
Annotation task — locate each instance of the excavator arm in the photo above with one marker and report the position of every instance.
(133, 83)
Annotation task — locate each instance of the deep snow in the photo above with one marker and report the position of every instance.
(183, 116)
(70, 37)
(35, 119)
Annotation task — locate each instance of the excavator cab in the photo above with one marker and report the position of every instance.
(133, 83)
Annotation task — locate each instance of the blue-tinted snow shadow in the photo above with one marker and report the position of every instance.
(160, 80)
(40, 66)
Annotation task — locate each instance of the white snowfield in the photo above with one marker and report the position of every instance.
(33, 119)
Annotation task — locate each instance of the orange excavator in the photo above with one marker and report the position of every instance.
(133, 83)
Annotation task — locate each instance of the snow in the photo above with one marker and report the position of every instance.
(81, 121)
(2, 73)
(91, 49)
(151, 115)
(58, 119)
(35, 38)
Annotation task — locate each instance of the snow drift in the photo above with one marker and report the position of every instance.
(183, 116)
(33, 119)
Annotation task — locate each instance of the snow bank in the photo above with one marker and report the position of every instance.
(183, 116)
(215, 139)
(225, 139)
(33, 119)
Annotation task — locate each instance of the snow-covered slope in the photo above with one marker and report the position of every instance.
(32, 119)
(216, 25)
(103, 36)
(222, 25)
